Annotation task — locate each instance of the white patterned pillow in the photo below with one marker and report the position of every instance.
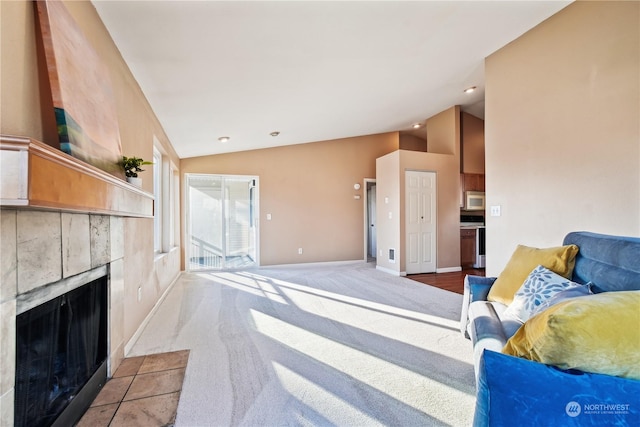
(540, 285)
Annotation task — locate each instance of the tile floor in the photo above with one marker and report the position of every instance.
(144, 391)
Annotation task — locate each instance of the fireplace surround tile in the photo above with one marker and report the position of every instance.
(8, 255)
(116, 313)
(151, 397)
(116, 237)
(100, 240)
(76, 244)
(39, 244)
(113, 391)
(149, 411)
(7, 343)
(6, 408)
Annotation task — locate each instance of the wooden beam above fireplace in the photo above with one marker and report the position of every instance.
(36, 175)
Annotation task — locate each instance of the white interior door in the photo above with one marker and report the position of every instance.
(420, 223)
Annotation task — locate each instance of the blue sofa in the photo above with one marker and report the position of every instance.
(513, 391)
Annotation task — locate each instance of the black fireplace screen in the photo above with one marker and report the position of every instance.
(59, 346)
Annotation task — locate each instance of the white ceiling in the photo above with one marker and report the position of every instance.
(311, 70)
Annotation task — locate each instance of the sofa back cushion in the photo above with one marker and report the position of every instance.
(524, 259)
(611, 263)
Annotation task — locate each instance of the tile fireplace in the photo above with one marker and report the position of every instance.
(62, 226)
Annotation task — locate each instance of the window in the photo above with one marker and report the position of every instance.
(166, 205)
(175, 203)
(157, 203)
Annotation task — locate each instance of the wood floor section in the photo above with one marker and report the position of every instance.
(453, 282)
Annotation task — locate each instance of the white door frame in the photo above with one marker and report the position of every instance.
(366, 217)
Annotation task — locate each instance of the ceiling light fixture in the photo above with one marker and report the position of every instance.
(274, 134)
(224, 139)
(470, 89)
(417, 125)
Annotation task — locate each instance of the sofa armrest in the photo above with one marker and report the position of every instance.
(514, 391)
(476, 288)
(479, 286)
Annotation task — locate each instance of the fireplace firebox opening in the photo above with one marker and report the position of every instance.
(61, 356)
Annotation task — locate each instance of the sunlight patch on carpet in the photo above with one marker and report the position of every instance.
(246, 284)
(383, 308)
(418, 391)
(331, 407)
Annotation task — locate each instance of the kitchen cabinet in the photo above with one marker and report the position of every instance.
(473, 182)
(470, 182)
(467, 247)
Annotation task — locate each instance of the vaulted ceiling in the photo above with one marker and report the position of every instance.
(310, 70)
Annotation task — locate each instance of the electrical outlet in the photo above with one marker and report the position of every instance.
(299, 251)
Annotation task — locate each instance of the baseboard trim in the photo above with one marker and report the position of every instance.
(136, 335)
(314, 264)
(448, 270)
(389, 271)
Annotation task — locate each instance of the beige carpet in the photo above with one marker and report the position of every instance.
(342, 345)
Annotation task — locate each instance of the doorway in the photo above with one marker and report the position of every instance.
(370, 230)
(420, 221)
(222, 226)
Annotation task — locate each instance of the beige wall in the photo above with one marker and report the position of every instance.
(412, 142)
(27, 111)
(563, 129)
(308, 190)
(390, 186)
(443, 132)
(388, 211)
(447, 168)
(443, 157)
(472, 142)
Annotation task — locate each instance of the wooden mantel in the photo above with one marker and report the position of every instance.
(36, 175)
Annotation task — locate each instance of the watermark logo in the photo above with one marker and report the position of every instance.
(573, 409)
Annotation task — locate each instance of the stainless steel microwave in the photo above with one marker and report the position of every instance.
(474, 201)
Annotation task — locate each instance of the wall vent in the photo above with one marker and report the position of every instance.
(392, 255)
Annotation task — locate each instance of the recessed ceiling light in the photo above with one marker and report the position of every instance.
(417, 125)
(274, 134)
(470, 89)
(224, 139)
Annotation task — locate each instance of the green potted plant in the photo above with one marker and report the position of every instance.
(131, 166)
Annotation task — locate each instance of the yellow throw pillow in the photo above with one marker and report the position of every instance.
(596, 333)
(560, 260)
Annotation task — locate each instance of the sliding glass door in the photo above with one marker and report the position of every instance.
(221, 221)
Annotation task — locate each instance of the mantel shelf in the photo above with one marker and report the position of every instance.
(36, 175)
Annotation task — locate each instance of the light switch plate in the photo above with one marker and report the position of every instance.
(496, 210)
